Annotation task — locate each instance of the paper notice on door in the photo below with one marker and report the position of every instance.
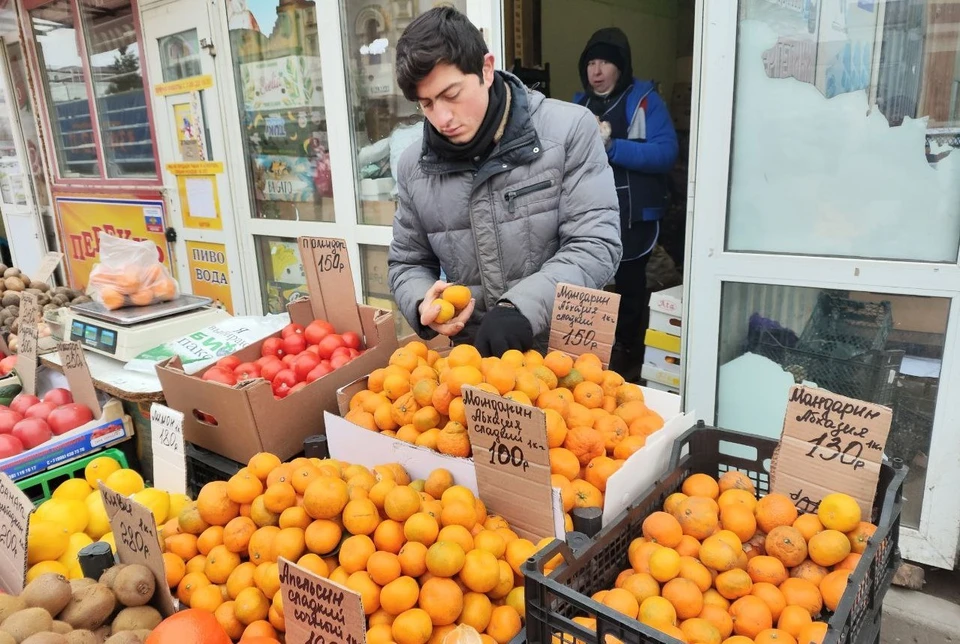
(201, 197)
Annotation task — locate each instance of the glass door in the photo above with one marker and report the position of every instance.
(827, 229)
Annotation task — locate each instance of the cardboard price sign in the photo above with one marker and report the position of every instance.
(169, 457)
(49, 264)
(326, 265)
(584, 320)
(511, 456)
(830, 443)
(135, 532)
(27, 349)
(319, 611)
(15, 511)
(77, 373)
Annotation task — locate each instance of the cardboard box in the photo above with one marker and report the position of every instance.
(669, 301)
(661, 340)
(654, 375)
(664, 323)
(665, 360)
(248, 417)
(108, 427)
(639, 472)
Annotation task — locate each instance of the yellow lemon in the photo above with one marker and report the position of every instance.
(75, 571)
(157, 501)
(177, 503)
(44, 567)
(108, 538)
(75, 543)
(98, 523)
(125, 482)
(46, 541)
(99, 469)
(67, 513)
(515, 599)
(73, 490)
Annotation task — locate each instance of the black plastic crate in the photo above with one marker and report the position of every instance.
(204, 466)
(914, 403)
(552, 602)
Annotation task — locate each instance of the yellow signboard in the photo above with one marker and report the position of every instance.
(209, 274)
(196, 167)
(199, 201)
(192, 84)
(81, 219)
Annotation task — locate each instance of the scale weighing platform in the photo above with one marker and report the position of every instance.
(126, 333)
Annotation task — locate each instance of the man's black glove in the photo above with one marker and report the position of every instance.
(503, 328)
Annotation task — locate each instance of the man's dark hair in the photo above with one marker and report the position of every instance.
(441, 35)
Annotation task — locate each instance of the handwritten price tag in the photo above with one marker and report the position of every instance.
(75, 369)
(49, 264)
(319, 611)
(27, 350)
(830, 443)
(15, 511)
(584, 321)
(169, 458)
(511, 457)
(326, 265)
(135, 532)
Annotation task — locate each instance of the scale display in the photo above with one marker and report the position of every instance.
(94, 336)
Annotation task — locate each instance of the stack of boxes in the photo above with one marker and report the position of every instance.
(661, 358)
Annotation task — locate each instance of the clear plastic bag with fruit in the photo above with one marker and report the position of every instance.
(129, 274)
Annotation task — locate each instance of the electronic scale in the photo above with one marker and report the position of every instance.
(125, 333)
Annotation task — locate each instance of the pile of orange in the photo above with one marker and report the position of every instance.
(717, 566)
(595, 420)
(424, 555)
(132, 285)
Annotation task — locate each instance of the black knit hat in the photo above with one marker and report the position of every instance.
(605, 51)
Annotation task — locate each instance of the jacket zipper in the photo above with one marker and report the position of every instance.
(513, 195)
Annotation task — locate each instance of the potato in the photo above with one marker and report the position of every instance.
(82, 637)
(27, 622)
(11, 272)
(61, 627)
(49, 591)
(14, 284)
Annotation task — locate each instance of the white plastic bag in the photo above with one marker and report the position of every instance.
(204, 347)
(129, 274)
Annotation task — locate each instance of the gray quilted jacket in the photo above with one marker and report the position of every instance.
(541, 210)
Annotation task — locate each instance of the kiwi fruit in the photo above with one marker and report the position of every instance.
(89, 607)
(47, 637)
(137, 618)
(124, 637)
(110, 574)
(143, 634)
(49, 591)
(61, 627)
(102, 633)
(83, 582)
(7, 638)
(27, 622)
(134, 585)
(10, 604)
(82, 637)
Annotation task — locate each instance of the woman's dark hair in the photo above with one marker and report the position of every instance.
(441, 35)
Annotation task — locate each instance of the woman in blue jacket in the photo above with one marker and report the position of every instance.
(641, 146)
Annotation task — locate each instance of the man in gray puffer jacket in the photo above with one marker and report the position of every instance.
(509, 194)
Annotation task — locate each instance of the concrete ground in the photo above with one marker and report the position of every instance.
(930, 616)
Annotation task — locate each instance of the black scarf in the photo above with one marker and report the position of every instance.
(487, 136)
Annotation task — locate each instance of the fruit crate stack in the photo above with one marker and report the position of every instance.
(583, 596)
(661, 358)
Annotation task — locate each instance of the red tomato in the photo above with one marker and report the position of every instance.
(32, 432)
(262, 362)
(23, 402)
(7, 365)
(230, 362)
(287, 378)
(304, 364)
(69, 416)
(9, 418)
(272, 347)
(40, 410)
(221, 375)
(317, 330)
(291, 329)
(338, 361)
(314, 349)
(270, 370)
(294, 344)
(288, 360)
(354, 353)
(10, 445)
(247, 371)
(352, 339)
(318, 372)
(340, 351)
(329, 344)
(58, 397)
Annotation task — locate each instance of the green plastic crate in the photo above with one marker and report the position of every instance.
(40, 487)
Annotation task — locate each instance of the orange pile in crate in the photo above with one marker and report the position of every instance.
(595, 420)
(717, 566)
(424, 555)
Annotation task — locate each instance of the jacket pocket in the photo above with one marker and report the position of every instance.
(511, 196)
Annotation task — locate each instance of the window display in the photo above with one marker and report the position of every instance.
(276, 58)
(384, 122)
(283, 280)
(376, 286)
